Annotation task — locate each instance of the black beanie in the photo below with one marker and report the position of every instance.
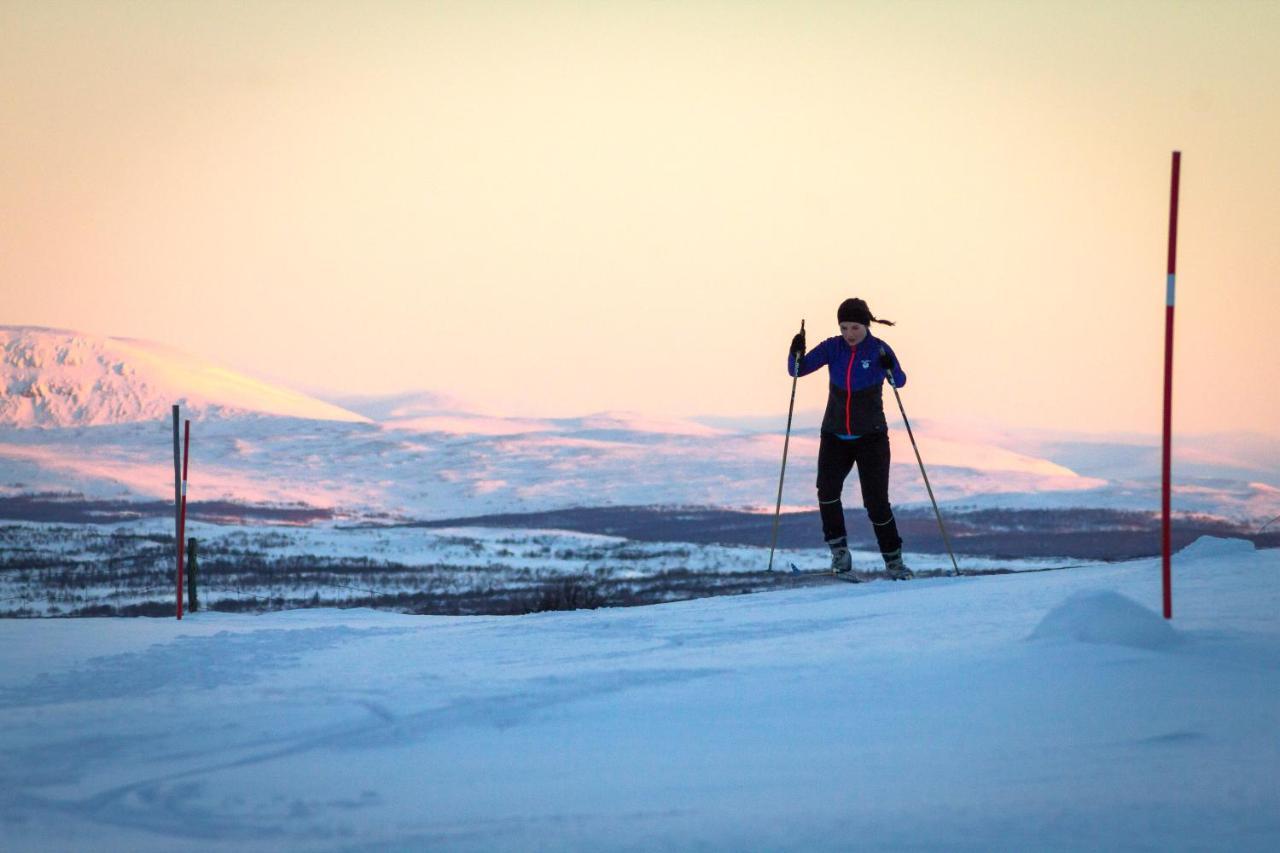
(856, 311)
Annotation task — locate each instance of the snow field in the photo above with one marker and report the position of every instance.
(81, 564)
(1029, 711)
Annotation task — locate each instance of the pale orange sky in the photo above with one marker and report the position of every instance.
(559, 208)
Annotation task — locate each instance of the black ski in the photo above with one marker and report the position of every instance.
(922, 574)
(867, 577)
(847, 577)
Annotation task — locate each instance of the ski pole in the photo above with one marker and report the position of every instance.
(946, 539)
(777, 510)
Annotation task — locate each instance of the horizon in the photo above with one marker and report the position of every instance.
(446, 404)
(560, 210)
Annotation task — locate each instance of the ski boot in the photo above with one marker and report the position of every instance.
(895, 568)
(841, 560)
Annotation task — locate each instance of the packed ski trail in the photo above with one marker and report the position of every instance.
(1045, 711)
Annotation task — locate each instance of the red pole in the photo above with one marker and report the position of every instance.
(182, 515)
(177, 503)
(1168, 387)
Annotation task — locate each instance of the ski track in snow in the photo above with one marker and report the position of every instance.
(1050, 711)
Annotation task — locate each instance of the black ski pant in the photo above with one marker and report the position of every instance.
(836, 458)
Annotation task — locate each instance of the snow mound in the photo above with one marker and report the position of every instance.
(1106, 618)
(1215, 547)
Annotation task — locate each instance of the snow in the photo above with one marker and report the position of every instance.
(102, 406)
(455, 559)
(362, 468)
(1212, 547)
(1106, 617)
(1046, 711)
(60, 378)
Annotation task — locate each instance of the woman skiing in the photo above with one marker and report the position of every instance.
(854, 431)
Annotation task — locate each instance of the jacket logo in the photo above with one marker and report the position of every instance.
(866, 363)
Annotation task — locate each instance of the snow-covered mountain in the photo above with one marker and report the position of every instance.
(104, 403)
(60, 378)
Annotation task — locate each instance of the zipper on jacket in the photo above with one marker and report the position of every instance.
(848, 391)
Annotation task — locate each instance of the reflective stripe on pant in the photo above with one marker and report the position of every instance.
(836, 458)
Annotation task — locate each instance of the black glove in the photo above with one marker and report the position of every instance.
(797, 346)
(886, 361)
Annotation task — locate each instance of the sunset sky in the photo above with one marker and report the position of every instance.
(566, 207)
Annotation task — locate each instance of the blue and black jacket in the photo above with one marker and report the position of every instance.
(855, 403)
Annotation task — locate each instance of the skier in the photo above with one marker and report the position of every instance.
(854, 430)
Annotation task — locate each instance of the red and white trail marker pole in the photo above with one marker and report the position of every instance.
(182, 512)
(177, 505)
(1168, 385)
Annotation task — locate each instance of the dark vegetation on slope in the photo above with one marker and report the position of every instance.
(1085, 534)
(115, 572)
(1079, 533)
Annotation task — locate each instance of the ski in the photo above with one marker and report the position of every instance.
(847, 577)
(923, 574)
(867, 577)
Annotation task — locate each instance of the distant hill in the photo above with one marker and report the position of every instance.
(59, 378)
(87, 416)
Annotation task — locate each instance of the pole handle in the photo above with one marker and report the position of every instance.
(888, 374)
